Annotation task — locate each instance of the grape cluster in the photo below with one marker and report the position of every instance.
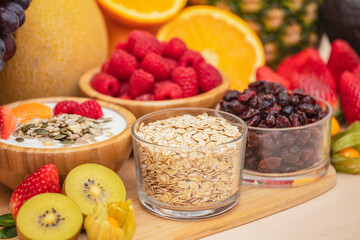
(12, 16)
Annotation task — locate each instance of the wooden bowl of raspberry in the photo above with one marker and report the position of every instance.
(77, 131)
(145, 75)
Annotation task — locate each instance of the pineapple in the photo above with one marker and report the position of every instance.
(284, 26)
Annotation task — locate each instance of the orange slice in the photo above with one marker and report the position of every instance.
(28, 111)
(141, 12)
(224, 39)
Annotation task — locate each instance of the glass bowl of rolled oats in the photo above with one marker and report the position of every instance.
(189, 161)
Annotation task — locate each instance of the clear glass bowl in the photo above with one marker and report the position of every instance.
(281, 157)
(189, 183)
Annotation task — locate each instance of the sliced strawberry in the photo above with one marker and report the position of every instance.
(309, 82)
(294, 63)
(267, 74)
(350, 96)
(44, 180)
(8, 122)
(342, 58)
(356, 71)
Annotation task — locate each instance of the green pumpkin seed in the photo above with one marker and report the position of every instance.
(41, 131)
(44, 125)
(67, 141)
(20, 140)
(80, 119)
(58, 137)
(27, 127)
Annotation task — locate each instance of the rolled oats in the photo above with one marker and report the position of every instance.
(194, 163)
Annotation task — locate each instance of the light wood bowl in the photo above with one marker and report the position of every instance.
(16, 163)
(139, 108)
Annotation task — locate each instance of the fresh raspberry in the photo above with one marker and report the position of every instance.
(156, 65)
(356, 71)
(121, 46)
(267, 74)
(209, 77)
(89, 109)
(342, 58)
(65, 107)
(146, 45)
(105, 84)
(166, 90)
(121, 64)
(174, 49)
(171, 64)
(349, 86)
(105, 67)
(187, 79)
(134, 36)
(126, 97)
(140, 83)
(123, 89)
(190, 58)
(146, 97)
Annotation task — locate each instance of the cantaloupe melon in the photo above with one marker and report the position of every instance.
(59, 41)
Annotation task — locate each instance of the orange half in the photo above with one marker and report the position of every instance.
(141, 12)
(224, 39)
(28, 111)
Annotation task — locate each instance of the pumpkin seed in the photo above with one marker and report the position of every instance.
(67, 141)
(44, 125)
(80, 119)
(20, 140)
(41, 131)
(58, 137)
(27, 127)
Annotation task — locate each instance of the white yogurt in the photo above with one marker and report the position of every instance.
(116, 126)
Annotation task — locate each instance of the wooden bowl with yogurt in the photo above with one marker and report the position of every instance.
(19, 160)
(139, 108)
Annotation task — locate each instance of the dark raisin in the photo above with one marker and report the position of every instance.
(270, 120)
(247, 96)
(282, 122)
(308, 99)
(294, 120)
(269, 163)
(322, 114)
(283, 99)
(299, 92)
(307, 108)
(231, 95)
(249, 113)
(260, 87)
(294, 99)
(253, 121)
(306, 154)
(253, 102)
(265, 101)
(303, 137)
(302, 118)
(287, 110)
(277, 88)
(274, 109)
(235, 107)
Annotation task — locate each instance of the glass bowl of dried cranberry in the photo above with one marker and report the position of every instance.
(288, 140)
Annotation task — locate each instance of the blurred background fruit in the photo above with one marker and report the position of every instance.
(223, 39)
(284, 26)
(57, 43)
(340, 19)
(141, 13)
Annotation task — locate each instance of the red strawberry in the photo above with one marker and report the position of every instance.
(209, 77)
(105, 84)
(356, 71)
(296, 62)
(190, 59)
(350, 96)
(166, 90)
(44, 180)
(146, 45)
(65, 107)
(135, 36)
(156, 65)
(121, 64)
(8, 122)
(89, 109)
(140, 83)
(187, 79)
(311, 85)
(267, 74)
(146, 97)
(342, 58)
(174, 49)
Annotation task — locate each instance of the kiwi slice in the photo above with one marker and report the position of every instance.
(93, 185)
(49, 216)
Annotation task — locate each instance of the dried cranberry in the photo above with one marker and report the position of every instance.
(277, 88)
(294, 120)
(249, 113)
(287, 110)
(322, 114)
(235, 107)
(299, 92)
(270, 120)
(265, 101)
(284, 99)
(307, 108)
(294, 99)
(247, 96)
(308, 99)
(253, 102)
(260, 87)
(282, 122)
(269, 163)
(253, 121)
(231, 95)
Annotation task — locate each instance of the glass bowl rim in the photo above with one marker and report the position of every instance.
(329, 115)
(242, 123)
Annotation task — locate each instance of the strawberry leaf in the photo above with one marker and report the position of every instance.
(8, 232)
(7, 220)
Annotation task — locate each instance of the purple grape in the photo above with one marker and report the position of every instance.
(10, 46)
(9, 22)
(17, 9)
(2, 48)
(1, 64)
(23, 3)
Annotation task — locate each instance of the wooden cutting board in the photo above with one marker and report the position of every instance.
(255, 203)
